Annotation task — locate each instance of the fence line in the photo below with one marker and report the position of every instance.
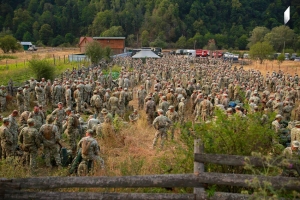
(16, 188)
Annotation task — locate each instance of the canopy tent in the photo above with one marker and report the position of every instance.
(145, 53)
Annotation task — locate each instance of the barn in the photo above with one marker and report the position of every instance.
(117, 44)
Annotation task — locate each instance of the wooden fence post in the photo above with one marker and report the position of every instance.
(64, 59)
(198, 167)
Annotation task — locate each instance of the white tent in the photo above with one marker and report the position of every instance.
(145, 53)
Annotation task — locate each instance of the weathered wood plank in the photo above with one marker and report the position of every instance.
(198, 167)
(234, 160)
(20, 195)
(177, 180)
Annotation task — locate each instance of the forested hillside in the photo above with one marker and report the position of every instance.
(162, 22)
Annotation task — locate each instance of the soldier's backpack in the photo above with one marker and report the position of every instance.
(47, 132)
(98, 102)
(76, 121)
(85, 147)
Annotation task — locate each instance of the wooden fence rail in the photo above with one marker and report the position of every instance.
(29, 188)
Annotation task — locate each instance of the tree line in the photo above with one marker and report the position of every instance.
(165, 23)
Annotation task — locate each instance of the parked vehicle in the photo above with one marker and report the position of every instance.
(32, 48)
(294, 55)
(287, 56)
(202, 53)
(297, 59)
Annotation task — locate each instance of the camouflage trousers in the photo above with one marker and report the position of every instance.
(78, 105)
(150, 118)
(30, 157)
(141, 104)
(41, 100)
(72, 139)
(162, 133)
(2, 104)
(21, 108)
(49, 151)
(7, 151)
(26, 105)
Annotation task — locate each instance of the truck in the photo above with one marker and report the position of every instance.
(189, 53)
(202, 53)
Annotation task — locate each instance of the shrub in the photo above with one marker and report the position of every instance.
(42, 69)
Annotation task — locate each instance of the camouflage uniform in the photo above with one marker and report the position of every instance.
(78, 100)
(20, 100)
(97, 108)
(2, 98)
(113, 104)
(161, 124)
(40, 94)
(38, 119)
(13, 128)
(181, 110)
(68, 96)
(30, 140)
(133, 117)
(50, 137)
(26, 93)
(6, 138)
(295, 133)
(71, 130)
(141, 94)
(60, 117)
(173, 116)
(150, 110)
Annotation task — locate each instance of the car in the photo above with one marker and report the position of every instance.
(294, 55)
(287, 56)
(32, 48)
(297, 59)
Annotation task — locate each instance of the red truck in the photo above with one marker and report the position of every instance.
(202, 53)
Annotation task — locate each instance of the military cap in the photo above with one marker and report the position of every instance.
(160, 111)
(182, 99)
(90, 131)
(297, 123)
(278, 116)
(2, 86)
(104, 111)
(95, 92)
(296, 144)
(238, 107)
(125, 89)
(49, 119)
(170, 107)
(155, 88)
(277, 99)
(135, 110)
(68, 109)
(26, 85)
(20, 89)
(6, 119)
(30, 121)
(229, 110)
(60, 103)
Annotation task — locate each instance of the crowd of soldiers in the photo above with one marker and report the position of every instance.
(170, 90)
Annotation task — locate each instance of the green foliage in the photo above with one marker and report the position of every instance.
(94, 52)
(42, 69)
(45, 33)
(7, 57)
(181, 42)
(9, 43)
(261, 51)
(145, 38)
(257, 35)
(280, 58)
(114, 31)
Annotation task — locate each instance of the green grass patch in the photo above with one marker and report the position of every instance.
(2, 57)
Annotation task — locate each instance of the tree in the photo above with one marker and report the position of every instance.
(69, 37)
(241, 42)
(114, 31)
(42, 69)
(181, 42)
(94, 52)
(257, 35)
(145, 38)
(9, 43)
(27, 36)
(130, 40)
(261, 50)
(280, 59)
(281, 37)
(45, 33)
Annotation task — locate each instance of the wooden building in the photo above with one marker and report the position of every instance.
(117, 44)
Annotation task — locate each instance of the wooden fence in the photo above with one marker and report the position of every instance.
(31, 188)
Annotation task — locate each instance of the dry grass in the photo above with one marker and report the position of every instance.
(290, 67)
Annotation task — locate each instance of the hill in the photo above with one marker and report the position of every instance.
(229, 22)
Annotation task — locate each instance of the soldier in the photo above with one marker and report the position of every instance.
(122, 101)
(287, 111)
(133, 117)
(57, 93)
(50, 137)
(181, 110)
(96, 102)
(203, 109)
(173, 116)
(40, 94)
(6, 139)
(148, 85)
(60, 115)
(48, 95)
(26, 93)
(78, 99)
(20, 100)
(295, 132)
(2, 98)
(70, 128)
(68, 97)
(141, 95)
(164, 105)
(90, 152)
(150, 110)
(38, 117)
(161, 124)
(30, 142)
(13, 128)
(113, 104)
(106, 115)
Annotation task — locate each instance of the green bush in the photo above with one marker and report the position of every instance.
(42, 69)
